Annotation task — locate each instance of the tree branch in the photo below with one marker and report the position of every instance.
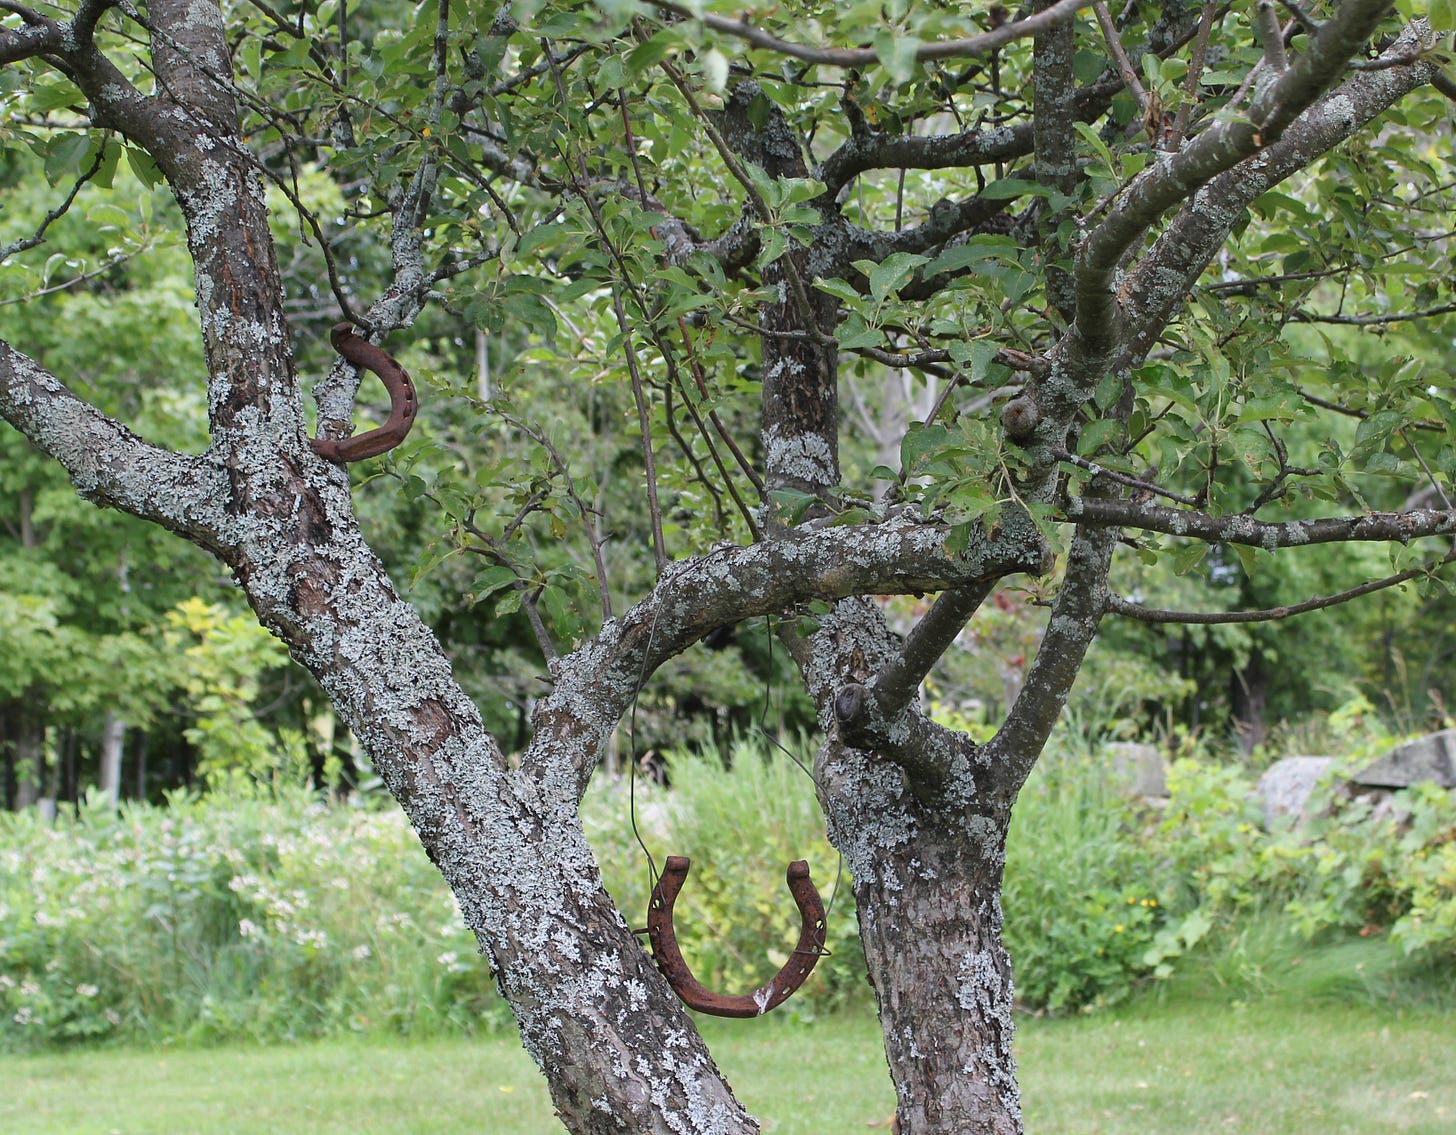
(107, 463)
(902, 555)
(1398, 527)
(1156, 287)
(1117, 605)
(1076, 611)
(1054, 83)
(897, 683)
(39, 35)
(1119, 56)
(1370, 320)
(1174, 178)
(865, 152)
(1061, 12)
(1122, 478)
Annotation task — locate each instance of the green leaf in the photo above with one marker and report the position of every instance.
(142, 165)
(1377, 427)
(982, 355)
(1090, 136)
(981, 247)
(839, 289)
(1097, 434)
(853, 516)
(920, 441)
(1248, 557)
(893, 273)
(791, 504)
(67, 156)
(896, 52)
(646, 56)
(1109, 390)
(1004, 189)
(44, 97)
(1188, 557)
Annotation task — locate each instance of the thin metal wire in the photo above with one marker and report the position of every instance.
(824, 951)
(652, 875)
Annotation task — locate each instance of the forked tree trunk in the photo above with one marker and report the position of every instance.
(930, 920)
(927, 884)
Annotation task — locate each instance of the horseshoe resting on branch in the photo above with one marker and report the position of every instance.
(778, 989)
(403, 404)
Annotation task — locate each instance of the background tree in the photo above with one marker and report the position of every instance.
(715, 219)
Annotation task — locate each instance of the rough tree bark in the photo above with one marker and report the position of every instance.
(920, 812)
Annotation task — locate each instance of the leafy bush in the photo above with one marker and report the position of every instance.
(1083, 892)
(221, 918)
(1356, 865)
(239, 917)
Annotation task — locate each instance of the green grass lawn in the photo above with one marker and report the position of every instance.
(1273, 1067)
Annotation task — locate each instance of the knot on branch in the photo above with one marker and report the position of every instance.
(850, 703)
(1019, 418)
(862, 723)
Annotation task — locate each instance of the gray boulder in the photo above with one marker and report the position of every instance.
(1285, 787)
(1432, 757)
(1142, 768)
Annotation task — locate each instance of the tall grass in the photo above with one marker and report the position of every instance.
(213, 919)
(1084, 893)
(220, 919)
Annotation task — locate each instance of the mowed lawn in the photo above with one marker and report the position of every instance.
(1272, 1067)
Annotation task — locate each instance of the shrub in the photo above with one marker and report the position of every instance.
(1084, 892)
(217, 919)
(222, 917)
(1355, 865)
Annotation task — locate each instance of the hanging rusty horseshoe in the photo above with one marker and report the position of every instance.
(403, 405)
(779, 988)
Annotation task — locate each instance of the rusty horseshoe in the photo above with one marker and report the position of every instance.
(778, 989)
(403, 404)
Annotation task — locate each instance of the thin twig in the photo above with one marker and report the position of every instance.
(644, 425)
(1194, 78)
(81, 279)
(1116, 605)
(1271, 36)
(1122, 478)
(1371, 320)
(1119, 56)
(25, 244)
(851, 57)
(1431, 476)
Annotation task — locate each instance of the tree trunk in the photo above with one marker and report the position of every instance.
(30, 757)
(927, 881)
(113, 736)
(1249, 697)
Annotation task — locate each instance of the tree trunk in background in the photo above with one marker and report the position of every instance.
(140, 792)
(30, 759)
(1248, 700)
(8, 786)
(113, 736)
